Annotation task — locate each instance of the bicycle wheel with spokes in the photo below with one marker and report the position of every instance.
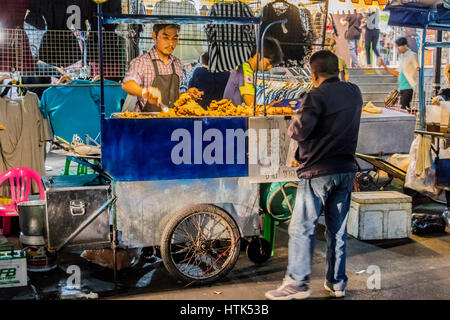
(200, 243)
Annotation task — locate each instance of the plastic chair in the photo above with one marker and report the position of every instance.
(20, 181)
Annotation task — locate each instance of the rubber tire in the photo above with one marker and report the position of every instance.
(253, 251)
(172, 224)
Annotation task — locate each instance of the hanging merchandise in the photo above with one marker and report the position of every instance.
(81, 106)
(294, 39)
(229, 45)
(23, 143)
(307, 20)
(421, 173)
(191, 44)
(280, 90)
(319, 22)
(59, 46)
(62, 14)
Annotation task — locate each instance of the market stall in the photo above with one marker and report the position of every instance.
(436, 18)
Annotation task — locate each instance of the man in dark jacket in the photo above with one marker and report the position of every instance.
(326, 129)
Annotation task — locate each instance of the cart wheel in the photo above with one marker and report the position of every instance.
(365, 181)
(200, 243)
(259, 250)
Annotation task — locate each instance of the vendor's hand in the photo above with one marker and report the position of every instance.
(152, 95)
(273, 103)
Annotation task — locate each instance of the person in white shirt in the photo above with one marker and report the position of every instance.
(407, 74)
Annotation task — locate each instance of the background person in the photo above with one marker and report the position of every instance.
(330, 44)
(372, 34)
(326, 129)
(352, 35)
(407, 74)
(156, 76)
(211, 83)
(240, 89)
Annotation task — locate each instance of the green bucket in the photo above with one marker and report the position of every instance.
(273, 201)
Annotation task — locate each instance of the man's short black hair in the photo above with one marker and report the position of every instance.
(401, 41)
(325, 64)
(272, 51)
(205, 58)
(160, 26)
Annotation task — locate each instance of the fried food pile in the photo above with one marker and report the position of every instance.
(286, 111)
(225, 108)
(185, 106)
(372, 109)
(128, 114)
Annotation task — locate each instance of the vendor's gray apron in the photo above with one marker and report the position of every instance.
(168, 84)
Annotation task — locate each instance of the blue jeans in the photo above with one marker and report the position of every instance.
(329, 194)
(353, 48)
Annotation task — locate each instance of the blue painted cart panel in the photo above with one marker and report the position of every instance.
(141, 149)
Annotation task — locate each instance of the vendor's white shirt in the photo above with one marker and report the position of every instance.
(408, 65)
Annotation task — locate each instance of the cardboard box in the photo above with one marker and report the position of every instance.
(13, 269)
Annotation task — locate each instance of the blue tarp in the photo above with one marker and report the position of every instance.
(180, 148)
(417, 16)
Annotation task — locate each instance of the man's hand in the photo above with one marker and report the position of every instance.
(152, 95)
(382, 63)
(273, 103)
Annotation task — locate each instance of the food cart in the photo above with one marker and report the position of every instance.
(169, 183)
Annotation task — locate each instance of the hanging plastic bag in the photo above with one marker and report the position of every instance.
(421, 173)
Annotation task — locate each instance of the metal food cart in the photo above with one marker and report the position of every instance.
(196, 210)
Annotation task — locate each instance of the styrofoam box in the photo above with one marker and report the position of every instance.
(379, 215)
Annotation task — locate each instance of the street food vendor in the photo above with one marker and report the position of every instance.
(155, 76)
(240, 88)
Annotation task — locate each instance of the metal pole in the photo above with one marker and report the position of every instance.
(262, 59)
(437, 65)
(100, 52)
(255, 80)
(324, 32)
(421, 80)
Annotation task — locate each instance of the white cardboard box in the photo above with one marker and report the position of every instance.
(379, 215)
(13, 269)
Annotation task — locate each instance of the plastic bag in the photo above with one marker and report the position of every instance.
(446, 217)
(427, 223)
(424, 183)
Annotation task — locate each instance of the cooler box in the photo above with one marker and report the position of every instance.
(379, 215)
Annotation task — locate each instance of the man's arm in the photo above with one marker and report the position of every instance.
(131, 87)
(391, 71)
(306, 119)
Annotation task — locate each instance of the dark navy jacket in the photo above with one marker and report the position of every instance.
(326, 128)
